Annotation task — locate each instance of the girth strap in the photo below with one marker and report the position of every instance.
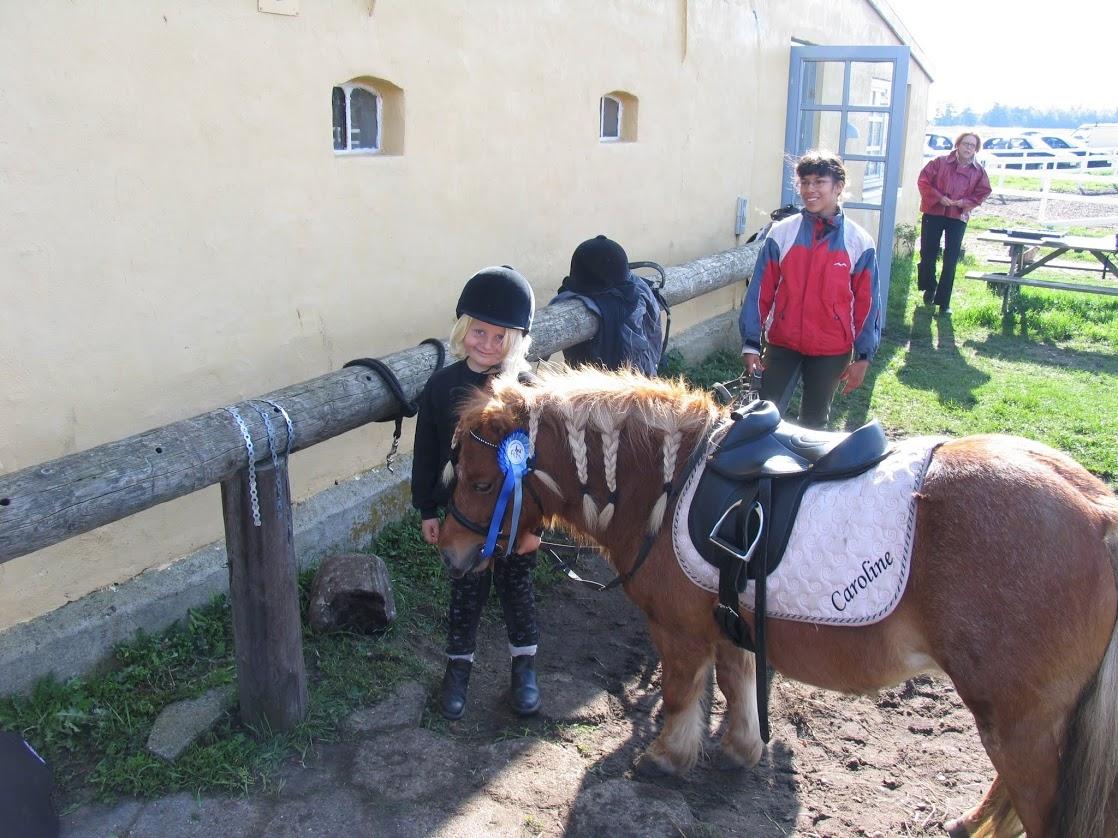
(732, 579)
(760, 581)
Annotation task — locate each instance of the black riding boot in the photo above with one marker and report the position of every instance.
(525, 693)
(452, 693)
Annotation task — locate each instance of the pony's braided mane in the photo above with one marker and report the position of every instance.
(605, 402)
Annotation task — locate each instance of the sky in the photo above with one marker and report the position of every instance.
(1016, 53)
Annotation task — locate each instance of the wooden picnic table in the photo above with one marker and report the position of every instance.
(1102, 248)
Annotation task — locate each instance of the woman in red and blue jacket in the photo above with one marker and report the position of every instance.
(814, 298)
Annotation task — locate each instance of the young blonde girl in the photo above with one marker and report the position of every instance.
(490, 336)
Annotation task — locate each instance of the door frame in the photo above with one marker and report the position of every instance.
(891, 155)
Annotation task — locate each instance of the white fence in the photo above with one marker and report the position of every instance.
(1063, 167)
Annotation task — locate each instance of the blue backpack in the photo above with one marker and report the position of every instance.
(629, 331)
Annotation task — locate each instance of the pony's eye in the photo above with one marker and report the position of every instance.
(482, 487)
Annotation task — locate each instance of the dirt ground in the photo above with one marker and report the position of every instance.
(894, 764)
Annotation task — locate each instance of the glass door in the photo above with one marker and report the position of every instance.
(851, 100)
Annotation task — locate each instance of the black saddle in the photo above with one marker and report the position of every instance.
(746, 502)
(758, 446)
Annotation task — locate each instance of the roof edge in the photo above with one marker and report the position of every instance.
(889, 15)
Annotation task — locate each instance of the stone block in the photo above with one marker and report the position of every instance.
(352, 591)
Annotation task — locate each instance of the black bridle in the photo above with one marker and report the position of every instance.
(483, 529)
(646, 545)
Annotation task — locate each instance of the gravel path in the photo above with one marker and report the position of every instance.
(1028, 209)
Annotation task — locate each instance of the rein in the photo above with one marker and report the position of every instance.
(516, 465)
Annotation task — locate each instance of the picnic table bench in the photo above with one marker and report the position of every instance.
(1020, 242)
(1084, 267)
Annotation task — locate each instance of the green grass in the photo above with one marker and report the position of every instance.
(1073, 187)
(719, 367)
(93, 730)
(1048, 372)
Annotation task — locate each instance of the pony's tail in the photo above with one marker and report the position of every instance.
(995, 819)
(1089, 768)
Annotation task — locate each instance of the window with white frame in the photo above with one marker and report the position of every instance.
(875, 142)
(357, 119)
(609, 119)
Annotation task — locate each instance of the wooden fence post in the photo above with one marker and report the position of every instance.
(264, 598)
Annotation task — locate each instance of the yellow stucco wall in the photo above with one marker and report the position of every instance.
(178, 234)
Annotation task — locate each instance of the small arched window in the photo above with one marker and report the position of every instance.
(617, 117)
(357, 119)
(609, 119)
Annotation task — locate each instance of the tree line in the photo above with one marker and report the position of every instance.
(1006, 116)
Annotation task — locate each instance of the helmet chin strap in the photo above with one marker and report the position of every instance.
(512, 456)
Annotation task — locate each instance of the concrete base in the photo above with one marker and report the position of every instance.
(72, 640)
(703, 339)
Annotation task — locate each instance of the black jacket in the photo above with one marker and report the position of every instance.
(629, 331)
(439, 404)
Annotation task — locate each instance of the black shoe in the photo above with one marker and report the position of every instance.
(452, 693)
(945, 311)
(524, 696)
(929, 295)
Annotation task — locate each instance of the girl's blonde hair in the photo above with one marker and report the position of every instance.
(517, 344)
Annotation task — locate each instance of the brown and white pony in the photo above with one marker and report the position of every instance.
(1012, 590)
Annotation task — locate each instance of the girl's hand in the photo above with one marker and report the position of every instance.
(853, 376)
(527, 544)
(431, 530)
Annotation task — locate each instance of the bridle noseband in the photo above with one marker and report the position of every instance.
(516, 465)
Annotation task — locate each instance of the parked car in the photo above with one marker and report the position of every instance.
(1098, 135)
(936, 145)
(1066, 141)
(1041, 149)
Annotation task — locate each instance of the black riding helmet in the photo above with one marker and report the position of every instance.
(597, 265)
(498, 295)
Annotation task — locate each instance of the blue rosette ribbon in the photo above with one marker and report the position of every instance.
(512, 457)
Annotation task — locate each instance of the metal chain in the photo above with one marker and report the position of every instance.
(263, 414)
(290, 425)
(392, 451)
(254, 499)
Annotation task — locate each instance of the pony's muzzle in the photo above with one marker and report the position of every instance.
(458, 567)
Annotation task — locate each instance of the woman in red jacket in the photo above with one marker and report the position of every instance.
(950, 187)
(814, 298)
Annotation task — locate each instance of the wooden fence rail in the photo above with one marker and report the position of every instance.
(51, 502)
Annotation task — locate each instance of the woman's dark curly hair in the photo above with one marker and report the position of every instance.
(822, 164)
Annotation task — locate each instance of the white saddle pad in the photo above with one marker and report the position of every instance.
(848, 554)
